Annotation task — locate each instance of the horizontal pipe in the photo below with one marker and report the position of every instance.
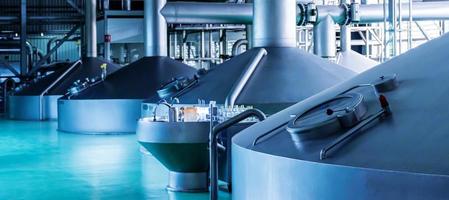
(227, 13)
(421, 11)
(208, 13)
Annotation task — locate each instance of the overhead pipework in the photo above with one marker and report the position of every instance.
(155, 37)
(91, 28)
(274, 23)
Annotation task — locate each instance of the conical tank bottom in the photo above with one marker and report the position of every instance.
(113, 105)
(401, 153)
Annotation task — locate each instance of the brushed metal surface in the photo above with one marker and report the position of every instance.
(404, 156)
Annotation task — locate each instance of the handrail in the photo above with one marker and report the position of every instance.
(214, 133)
(41, 96)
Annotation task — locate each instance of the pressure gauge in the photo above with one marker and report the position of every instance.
(330, 117)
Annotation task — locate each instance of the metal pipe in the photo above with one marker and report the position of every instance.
(392, 19)
(345, 35)
(207, 13)
(421, 11)
(227, 13)
(105, 5)
(224, 43)
(126, 5)
(409, 24)
(214, 132)
(23, 37)
(345, 38)
(237, 88)
(324, 38)
(237, 45)
(202, 48)
(155, 28)
(41, 96)
(91, 28)
(209, 28)
(274, 23)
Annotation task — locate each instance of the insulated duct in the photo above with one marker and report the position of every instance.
(91, 28)
(274, 23)
(155, 28)
(324, 38)
(226, 13)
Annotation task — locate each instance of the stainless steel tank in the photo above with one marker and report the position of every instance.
(281, 77)
(113, 105)
(270, 77)
(38, 100)
(380, 135)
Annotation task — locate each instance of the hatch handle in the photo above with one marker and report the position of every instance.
(384, 112)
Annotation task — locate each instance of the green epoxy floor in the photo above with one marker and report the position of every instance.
(38, 162)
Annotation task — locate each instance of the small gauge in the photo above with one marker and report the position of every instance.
(386, 83)
(343, 111)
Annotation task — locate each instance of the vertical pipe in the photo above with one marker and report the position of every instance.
(183, 45)
(106, 42)
(249, 31)
(155, 28)
(23, 38)
(393, 25)
(324, 38)
(126, 5)
(105, 5)
(345, 35)
(202, 49)
(91, 28)
(224, 42)
(409, 25)
(175, 44)
(274, 23)
(345, 38)
(400, 26)
(211, 40)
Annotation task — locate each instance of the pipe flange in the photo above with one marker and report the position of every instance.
(346, 9)
(311, 14)
(354, 13)
(302, 13)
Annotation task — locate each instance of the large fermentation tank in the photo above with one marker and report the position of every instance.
(283, 76)
(350, 142)
(113, 105)
(38, 100)
(271, 76)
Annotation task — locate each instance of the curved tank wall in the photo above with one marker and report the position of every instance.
(396, 156)
(113, 106)
(283, 76)
(25, 103)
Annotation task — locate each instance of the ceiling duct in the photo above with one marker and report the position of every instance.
(113, 105)
(271, 76)
(395, 143)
